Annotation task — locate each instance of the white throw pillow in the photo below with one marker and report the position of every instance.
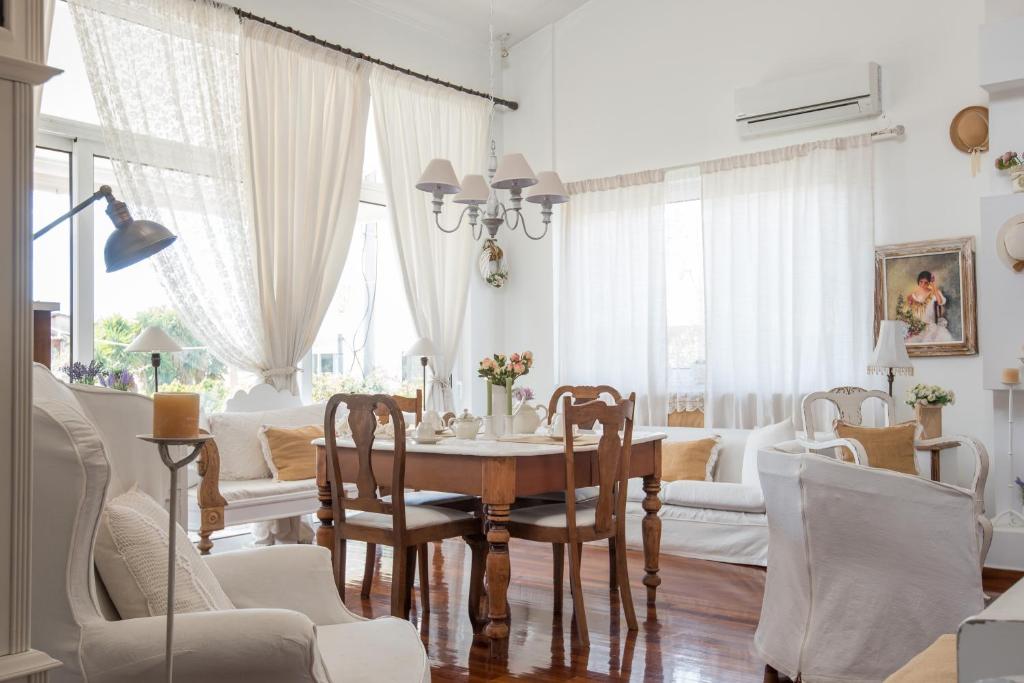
(763, 437)
(237, 436)
(131, 556)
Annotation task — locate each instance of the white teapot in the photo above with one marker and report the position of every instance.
(526, 418)
(466, 426)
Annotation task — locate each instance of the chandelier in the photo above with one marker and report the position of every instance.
(512, 173)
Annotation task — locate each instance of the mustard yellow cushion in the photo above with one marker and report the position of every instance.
(937, 664)
(890, 448)
(288, 451)
(692, 460)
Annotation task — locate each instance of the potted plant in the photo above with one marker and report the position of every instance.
(122, 380)
(1011, 161)
(927, 400)
(501, 372)
(80, 373)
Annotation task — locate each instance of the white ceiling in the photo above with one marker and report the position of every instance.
(468, 18)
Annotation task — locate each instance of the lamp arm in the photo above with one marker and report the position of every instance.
(104, 191)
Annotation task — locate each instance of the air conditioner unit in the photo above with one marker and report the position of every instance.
(815, 99)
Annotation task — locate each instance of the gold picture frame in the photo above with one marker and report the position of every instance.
(930, 286)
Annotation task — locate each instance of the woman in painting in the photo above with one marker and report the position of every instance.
(925, 303)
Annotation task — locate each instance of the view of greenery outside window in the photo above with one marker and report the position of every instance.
(51, 253)
(684, 290)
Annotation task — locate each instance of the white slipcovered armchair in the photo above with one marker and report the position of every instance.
(866, 567)
(289, 623)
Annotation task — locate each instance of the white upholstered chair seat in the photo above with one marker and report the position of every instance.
(247, 489)
(432, 497)
(553, 515)
(416, 517)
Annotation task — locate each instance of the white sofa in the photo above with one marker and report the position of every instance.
(723, 520)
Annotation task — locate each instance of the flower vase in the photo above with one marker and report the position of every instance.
(498, 402)
(1017, 178)
(930, 419)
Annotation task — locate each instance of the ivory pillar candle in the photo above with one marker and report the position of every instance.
(1011, 376)
(175, 415)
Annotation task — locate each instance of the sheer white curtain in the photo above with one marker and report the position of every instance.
(305, 109)
(611, 289)
(416, 122)
(788, 241)
(166, 80)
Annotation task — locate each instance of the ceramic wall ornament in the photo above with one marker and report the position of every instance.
(1010, 243)
(968, 131)
(493, 265)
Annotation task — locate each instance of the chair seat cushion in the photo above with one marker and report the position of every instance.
(433, 497)
(554, 515)
(249, 489)
(353, 652)
(714, 495)
(416, 517)
(582, 494)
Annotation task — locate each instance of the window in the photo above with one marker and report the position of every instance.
(51, 253)
(684, 290)
(362, 337)
(367, 327)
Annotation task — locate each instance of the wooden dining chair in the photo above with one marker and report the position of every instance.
(580, 394)
(379, 519)
(571, 523)
(414, 405)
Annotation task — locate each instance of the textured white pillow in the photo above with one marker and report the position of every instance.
(131, 556)
(237, 436)
(763, 437)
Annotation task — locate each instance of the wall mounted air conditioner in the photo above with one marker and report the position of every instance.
(815, 99)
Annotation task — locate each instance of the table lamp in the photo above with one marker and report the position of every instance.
(425, 350)
(155, 341)
(132, 240)
(890, 357)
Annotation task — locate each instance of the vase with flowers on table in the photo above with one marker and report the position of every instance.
(501, 372)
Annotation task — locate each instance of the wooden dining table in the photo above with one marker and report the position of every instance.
(498, 472)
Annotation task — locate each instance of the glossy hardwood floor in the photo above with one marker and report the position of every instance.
(701, 630)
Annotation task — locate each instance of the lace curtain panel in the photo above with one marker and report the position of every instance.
(611, 289)
(788, 247)
(199, 118)
(416, 122)
(166, 80)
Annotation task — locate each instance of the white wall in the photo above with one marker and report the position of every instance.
(626, 86)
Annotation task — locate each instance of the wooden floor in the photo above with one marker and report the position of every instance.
(701, 630)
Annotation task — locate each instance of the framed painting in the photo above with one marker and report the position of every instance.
(929, 286)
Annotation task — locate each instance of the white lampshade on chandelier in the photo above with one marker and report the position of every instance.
(512, 173)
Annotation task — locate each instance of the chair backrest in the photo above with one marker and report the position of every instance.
(407, 404)
(581, 394)
(611, 459)
(849, 401)
(362, 419)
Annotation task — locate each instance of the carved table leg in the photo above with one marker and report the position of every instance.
(651, 527)
(499, 571)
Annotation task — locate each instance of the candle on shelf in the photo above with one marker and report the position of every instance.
(1011, 376)
(490, 397)
(508, 396)
(175, 415)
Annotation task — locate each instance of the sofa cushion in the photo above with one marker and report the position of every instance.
(763, 437)
(890, 448)
(131, 556)
(714, 495)
(237, 436)
(288, 451)
(690, 460)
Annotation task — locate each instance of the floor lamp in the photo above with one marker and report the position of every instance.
(154, 340)
(890, 357)
(1010, 379)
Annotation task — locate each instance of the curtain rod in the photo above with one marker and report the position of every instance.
(242, 14)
